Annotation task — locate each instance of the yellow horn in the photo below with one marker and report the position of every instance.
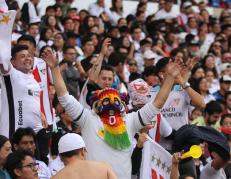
(194, 152)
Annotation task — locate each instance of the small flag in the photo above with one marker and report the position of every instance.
(156, 161)
(6, 26)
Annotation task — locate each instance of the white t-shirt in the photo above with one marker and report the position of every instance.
(20, 102)
(55, 165)
(90, 124)
(162, 14)
(210, 173)
(95, 10)
(42, 76)
(43, 171)
(176, 108)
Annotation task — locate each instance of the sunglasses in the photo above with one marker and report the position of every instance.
(132, 64)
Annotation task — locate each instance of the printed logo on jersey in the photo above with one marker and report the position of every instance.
(171, 111)
(43, 71)
(20, 113)
(33, 93)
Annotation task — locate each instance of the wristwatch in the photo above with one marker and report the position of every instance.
(185, 85)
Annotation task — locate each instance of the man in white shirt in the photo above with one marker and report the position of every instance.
(97, 8)
(103, 128)
(214, 169)
(176, 108)
(167, 12)
(20, 94)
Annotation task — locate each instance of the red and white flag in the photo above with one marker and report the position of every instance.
(6, 26)
(156, 161)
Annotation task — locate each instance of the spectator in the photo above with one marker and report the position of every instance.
(24, 103)
(21, 165)
(5, 150)
(212, 114)
(25, 139)
(225, 82)
(105, 146)
(73, 151)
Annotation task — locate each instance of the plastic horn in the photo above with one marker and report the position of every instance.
(194, 152)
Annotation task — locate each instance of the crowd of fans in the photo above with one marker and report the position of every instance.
(114, 80)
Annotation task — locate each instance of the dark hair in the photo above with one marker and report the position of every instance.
(70, 153)
(213, 147)
(151, 70)
(196, 87)
(85, 40)
(21, 132)
(223, 118)
(116, 58)
(65, 19)
(50, 8)
(134, 27)
(161, 64)
(18, 48)
(134, 76)
(203, 64)
(113, 8)
(213, 107)
(3, 140)
(144, 42)
(14, 161)
(27, 38)
(43, 48)
(43, 34)
(66, 47)
(107, 68)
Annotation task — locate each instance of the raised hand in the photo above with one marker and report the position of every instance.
(191, 62)
(173, 69)
(50, 58)
(105, 45)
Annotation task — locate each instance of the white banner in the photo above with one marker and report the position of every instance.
(156, 161)
(6, 25)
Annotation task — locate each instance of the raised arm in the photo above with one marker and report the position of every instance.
(172, 71)
(94, 73)
(52, 62)
(196, 99)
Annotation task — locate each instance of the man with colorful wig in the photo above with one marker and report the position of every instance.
(106, 129)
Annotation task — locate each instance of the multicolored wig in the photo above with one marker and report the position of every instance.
(110, 107)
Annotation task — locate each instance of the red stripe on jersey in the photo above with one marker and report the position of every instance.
(36, 75)
(157, 138)
(41, 104)
(161, 177)
(48, 85)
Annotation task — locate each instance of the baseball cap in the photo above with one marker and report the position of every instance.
(69, 142)
(187, 4)
(225, 78)
(149, 54)
(224, 66)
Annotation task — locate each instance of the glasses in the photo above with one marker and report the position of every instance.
(32, 166)
(132, 64)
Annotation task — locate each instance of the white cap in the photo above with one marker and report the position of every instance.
(224, 66)
(69, 142)
(225, 78)
(149, 54)
(187, 4)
